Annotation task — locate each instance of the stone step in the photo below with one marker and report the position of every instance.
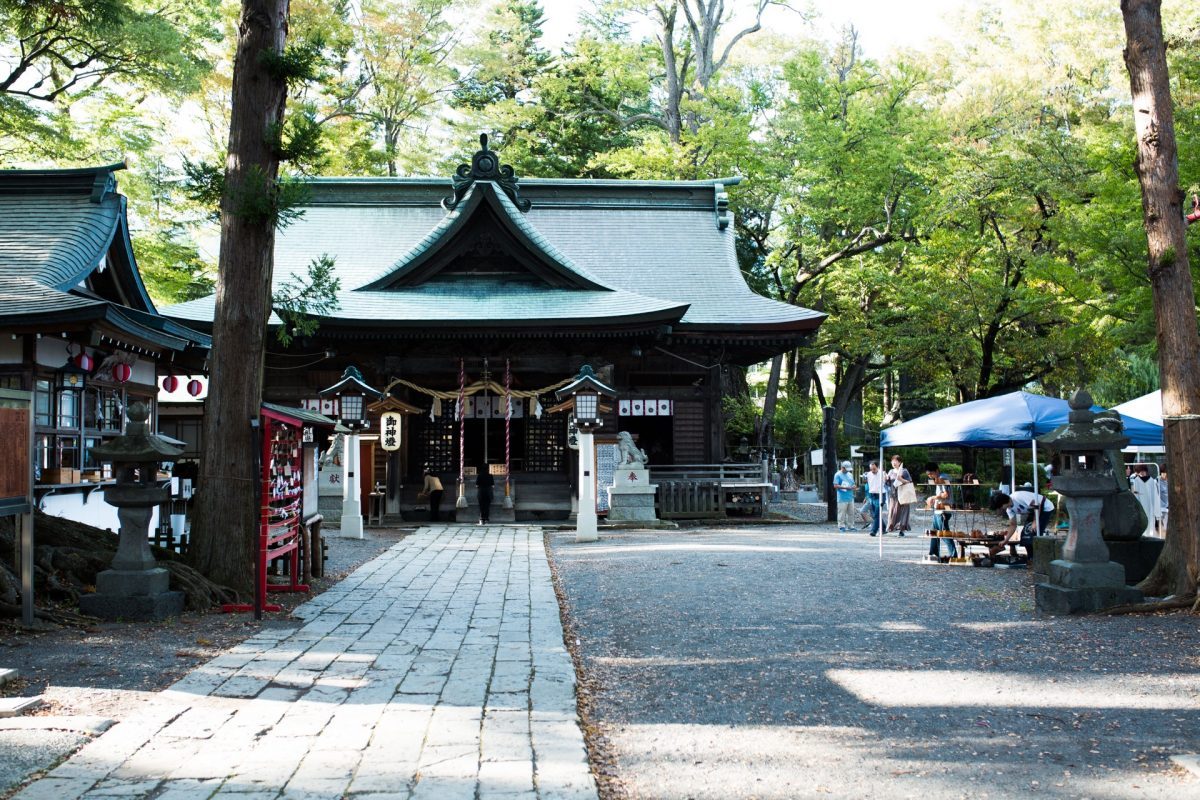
(7, 675)
(16, 706)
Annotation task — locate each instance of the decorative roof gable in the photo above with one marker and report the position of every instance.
(485, 235)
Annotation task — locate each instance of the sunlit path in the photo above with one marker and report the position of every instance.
(437, 670)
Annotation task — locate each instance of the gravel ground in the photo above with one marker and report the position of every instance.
(110, 670)
(791, 662)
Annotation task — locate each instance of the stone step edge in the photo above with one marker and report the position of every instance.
(15, 706)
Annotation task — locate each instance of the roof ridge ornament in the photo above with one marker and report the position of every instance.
(485, 166)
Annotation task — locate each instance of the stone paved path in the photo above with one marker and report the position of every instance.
(437, 670)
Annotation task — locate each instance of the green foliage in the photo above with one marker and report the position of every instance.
(1129, 375)
(171, 267)
(299, 301)
(300, 62)
(797, 423)
(742, 416)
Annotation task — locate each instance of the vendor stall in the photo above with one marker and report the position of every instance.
(1011, 420)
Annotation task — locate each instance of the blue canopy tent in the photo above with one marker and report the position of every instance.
(1009, 420)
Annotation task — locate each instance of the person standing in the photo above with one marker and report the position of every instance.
(1145, 488)
(1162, 503)
(939, 503)
(901, 494)
(843, 481)
(484, 485)
(875, 485)
(433, 490)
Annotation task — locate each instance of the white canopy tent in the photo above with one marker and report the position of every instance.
(1148, 407)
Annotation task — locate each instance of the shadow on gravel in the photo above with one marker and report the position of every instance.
(791, 664)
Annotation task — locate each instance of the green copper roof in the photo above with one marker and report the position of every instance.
(480, 303)
(542, 257)
(653, 249)
(58, 228)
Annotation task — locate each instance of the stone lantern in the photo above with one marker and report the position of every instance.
(1084, 579)
(351, 392)
(135, 588)
(585, 392)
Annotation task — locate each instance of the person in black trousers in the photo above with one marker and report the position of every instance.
(433, 490)
(484, 485)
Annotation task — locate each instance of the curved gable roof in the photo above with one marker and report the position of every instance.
(58, 226)
(484, 205)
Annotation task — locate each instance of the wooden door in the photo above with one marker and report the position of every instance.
(366, 473)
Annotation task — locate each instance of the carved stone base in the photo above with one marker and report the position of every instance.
(631, 503)
(1079, 588)
(1058, 600)
(133, 583)
(133, 595)
(134, 609)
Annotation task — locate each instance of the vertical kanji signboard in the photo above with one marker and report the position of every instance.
(16, 483)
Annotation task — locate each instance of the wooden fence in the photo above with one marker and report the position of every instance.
(709, 491)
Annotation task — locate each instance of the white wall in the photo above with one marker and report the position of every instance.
(95, 512)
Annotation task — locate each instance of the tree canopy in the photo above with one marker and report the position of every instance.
(967, 214)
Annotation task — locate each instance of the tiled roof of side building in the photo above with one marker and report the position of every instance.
(58, 228)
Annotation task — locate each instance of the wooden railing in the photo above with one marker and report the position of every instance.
(705, 491)
(722, 474)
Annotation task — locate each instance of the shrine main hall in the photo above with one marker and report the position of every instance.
(459, 296)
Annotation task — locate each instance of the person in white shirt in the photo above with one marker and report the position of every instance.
(1022, 507)
(874, 479)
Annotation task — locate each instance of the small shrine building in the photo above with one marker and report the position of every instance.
(78, 329)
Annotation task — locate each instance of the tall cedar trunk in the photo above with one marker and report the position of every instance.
(226, 523)
(1157, 167)
(766, 432)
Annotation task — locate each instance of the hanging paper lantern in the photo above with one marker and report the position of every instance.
(170, 383)
(121, 372)
(195, 387)
(84, 362)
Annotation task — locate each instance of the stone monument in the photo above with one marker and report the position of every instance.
(135, 588)
(631, 497)
(1084, 579)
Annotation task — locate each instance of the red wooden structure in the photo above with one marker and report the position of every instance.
(281, 505)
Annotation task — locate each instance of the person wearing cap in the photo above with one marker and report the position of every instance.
(843, 481)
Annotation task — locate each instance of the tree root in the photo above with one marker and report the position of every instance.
(67, 557)
(56, 615)
(1191, 603)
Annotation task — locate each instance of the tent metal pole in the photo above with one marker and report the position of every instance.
(881, 490)
(1037, 513)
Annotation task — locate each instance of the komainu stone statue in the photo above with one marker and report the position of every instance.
(628, 452)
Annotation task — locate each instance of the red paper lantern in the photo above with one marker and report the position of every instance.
(170, 383)
(195, 387)
(84, 362)
(121, 372)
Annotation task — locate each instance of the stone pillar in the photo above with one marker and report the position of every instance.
(585, 523)
(352, 524)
